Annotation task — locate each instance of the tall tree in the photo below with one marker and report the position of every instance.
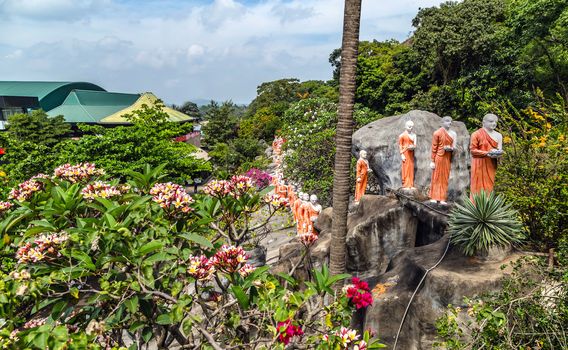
(349, 49)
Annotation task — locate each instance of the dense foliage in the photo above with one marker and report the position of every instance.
(309, 130)
(91, 262)
(37, 127)
(34, 146)
(533, 174)
(531, 311)
(465, 55)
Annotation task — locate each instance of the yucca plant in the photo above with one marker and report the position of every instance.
(483, 222)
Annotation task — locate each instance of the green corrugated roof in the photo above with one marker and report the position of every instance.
(50, 94)
(83, 106)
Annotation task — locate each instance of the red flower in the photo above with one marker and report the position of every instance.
(358, 293)
(286, 331)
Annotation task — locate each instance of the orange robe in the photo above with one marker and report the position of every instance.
(310, 213)
(302, 215)
(442, 161)
(483, 168)
(408, 165)
(282, 191)
(296, 208)
(291, 195)
(362, 171)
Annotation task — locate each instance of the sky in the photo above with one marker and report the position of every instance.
(185, 49)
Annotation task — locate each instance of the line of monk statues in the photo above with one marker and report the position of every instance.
(486, 145)
(304, 207)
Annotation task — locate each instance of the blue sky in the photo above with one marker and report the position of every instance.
(185, 49)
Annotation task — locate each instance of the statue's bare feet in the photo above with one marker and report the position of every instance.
(443, 203)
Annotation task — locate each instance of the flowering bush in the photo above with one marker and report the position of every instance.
(218, 188)
(26, 189)
(44, 247)
(229, 258)
(286, 331)
(171, 197)
(260, 178)
(77, 173)
(100, 189)
(95, 271)
(359, 293)
(200, 267)
(276, 200)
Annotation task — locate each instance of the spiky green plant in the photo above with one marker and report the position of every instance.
(483, 222)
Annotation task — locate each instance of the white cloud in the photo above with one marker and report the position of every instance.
(70, 10)
(219, 49)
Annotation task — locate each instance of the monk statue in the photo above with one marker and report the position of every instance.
(443, 144)
(282, 190)
(362, 175)
(291, 194)
(296, 209)
(313, 209)
(302, 214)
(407, 144)
(486, 146)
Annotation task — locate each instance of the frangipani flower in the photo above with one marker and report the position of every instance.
(172, 197)
(229, 258)
(77, 173)
(200, 268)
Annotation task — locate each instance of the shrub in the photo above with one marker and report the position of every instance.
(531, 310)
(261, 178)
(486, 221)
(533, 174)
(96, 263)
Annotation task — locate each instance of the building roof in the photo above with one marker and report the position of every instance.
(85, 106)
(148, 99)
(50, 94)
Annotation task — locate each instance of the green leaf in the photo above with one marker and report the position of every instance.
(242, 298)
(136, 326)
(84, 258)
(288, 278)
(40, 340)
(161, 256)
(197, 239)
(74, 292)
(147, 334)
(150, 247)
(164, 319)
(110, 220)
(132, 304)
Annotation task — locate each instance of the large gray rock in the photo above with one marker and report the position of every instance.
(455, 278)
(378, 228)
(380, 140)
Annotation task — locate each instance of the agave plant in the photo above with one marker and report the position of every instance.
(483, 222)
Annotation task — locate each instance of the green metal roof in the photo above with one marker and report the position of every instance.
(50, 94)
(84, 106)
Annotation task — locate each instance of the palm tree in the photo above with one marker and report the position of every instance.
(344, 131)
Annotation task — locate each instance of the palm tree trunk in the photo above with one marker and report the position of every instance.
(344, 132)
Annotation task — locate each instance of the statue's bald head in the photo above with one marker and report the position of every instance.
(490, 121)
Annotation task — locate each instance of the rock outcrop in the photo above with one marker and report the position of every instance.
(455, 278)
(391, 242)
(380, 140)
